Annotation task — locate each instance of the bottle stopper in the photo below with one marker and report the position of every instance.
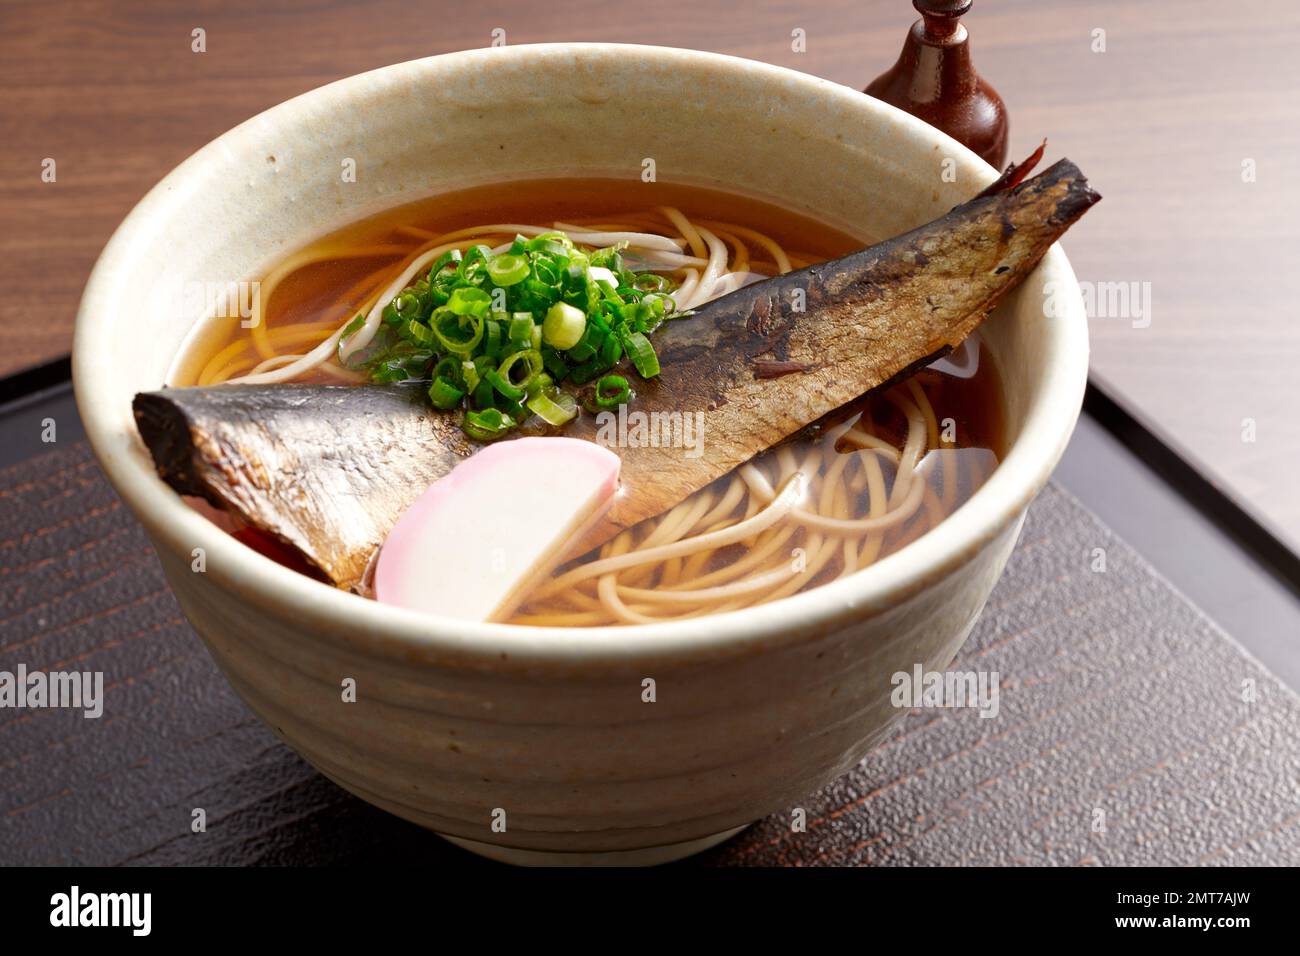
(935, 80)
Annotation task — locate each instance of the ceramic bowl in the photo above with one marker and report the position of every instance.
(536, 745)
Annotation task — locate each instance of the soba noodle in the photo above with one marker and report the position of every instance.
(799, 515)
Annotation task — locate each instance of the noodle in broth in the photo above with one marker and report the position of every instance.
(827, 503)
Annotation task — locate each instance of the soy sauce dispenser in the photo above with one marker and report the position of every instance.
(935, 81)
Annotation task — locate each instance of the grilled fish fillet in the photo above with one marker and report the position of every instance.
(329, 469)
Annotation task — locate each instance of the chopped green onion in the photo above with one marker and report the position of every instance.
(419, 333)
(469, 372)
(550, 244)
(503, 385)
(450, 331)
(496, 334)
(580, 353)
(533, 367)
(651, 282)
(350, 330)
(353, 327)
(554, 363)
(507, 269)
(541, 383)
(563, 326)
(642, 353)
(444, 395)
(488, 424)
(521, 329)
(450, 256)
(592, 337)
(469, 300)
(450, 369)
(406, 304)
(581, 374)
(492, 347)
(612, 391)
(662, 303)
(512, 409)
(611, 350)
(551, 411)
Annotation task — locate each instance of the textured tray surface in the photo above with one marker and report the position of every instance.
(1120, 704)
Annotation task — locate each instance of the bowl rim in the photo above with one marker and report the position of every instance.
(399, 633)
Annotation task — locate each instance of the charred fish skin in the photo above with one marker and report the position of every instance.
(948, 273)
(327, 469)
(856, 323)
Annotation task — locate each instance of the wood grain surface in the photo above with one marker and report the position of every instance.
(1162, 121)
(1120, 706)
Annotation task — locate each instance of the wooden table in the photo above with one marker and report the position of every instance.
(1162, 121)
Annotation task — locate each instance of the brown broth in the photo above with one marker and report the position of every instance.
(315, 292)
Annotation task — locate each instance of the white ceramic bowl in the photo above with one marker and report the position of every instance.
(455, 722)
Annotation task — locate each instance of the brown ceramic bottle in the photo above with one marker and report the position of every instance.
(934, 80)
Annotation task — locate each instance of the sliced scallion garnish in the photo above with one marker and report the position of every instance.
(611, 392)
(488, 424)
(457, 334)
(444, 395)
(644, 358)
(506, 270)
(553, 411)
(498, 334)
(563, 327)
